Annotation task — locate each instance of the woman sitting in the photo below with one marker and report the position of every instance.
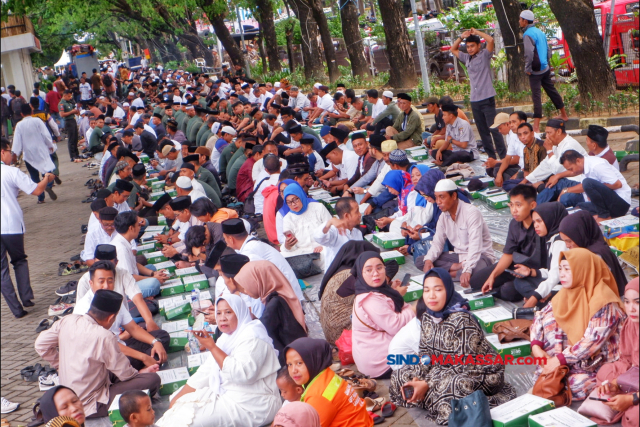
(302, 221)
(624, 401)
(398, 183)
(61, 404)
(336, 306)
(580, 230)
(448, 329)
(536, 285)
(297, 414)
(282, 317)
(237, 386)
(379, 312)
(309, 363)
(581, 325)
(283, 208)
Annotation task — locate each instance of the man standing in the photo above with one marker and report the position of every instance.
(52, 99)
(483, 101)
(85, 92)
(536, 65)
(68, 112)
(96, 83)
(12, 231)
(34, 140)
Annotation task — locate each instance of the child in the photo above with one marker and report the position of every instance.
(289, 390)
(136, 410)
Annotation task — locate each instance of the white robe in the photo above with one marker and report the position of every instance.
(304, 227)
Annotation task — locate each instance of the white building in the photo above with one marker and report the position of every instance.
(18, 43)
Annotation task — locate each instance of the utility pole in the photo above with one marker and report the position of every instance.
(420, 44)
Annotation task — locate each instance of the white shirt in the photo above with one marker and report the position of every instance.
(319, 162)
(377, 187)
(261, 251)
(258, 167)
(119, 113)
(255, 304)
(126, 258)
(85, 91)
(96, 236)
(12, 181)
(138, 103)
(406, 341)
(122, 318)
(182, 227)
(121, 207)
(258, 198)
(515, 148)
(349, 165)
(300, 101)
(326, 102)
(378, 108)
(87, 135)
(93, 222)
(32, 138)
(124, 284)
(135, 118)
(263, 98)
(150, 129)
(603, 152)
(333, 241)
(551, 165)
(602, 171)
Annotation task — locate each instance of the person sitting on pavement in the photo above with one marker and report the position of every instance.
(344, 165)
(102, 234)
(408, 126)
(60, 401)
(598, 147)
(459, 137)
(534, 152)
(513, 162)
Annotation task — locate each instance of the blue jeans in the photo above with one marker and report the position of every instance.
(35, 177)
(58, 119)
(551, 194)
(149, 287)
(427, 136)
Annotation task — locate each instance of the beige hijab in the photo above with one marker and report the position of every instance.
(593, 287)
(260, 278)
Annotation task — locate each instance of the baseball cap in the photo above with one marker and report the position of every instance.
(501, 118)
(528, 15)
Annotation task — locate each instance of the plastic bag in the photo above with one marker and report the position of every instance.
(345, 348)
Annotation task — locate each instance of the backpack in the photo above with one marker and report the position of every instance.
(249, 206)
(107, 80)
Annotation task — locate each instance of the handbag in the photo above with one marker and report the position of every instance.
(345, 348)
(553, 386)
(510, 330)
(470, 411)
(628, 382)
(597, 410)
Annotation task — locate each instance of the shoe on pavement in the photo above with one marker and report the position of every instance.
(45, 382)
(58, 309)
(68, 289)
(28, 303)
(51, 194)
(57, 180)
(21, 314)
(8, 407)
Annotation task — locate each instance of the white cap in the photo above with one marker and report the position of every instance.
(276, 84)
(317, 85)
(215, 127)
(132, 94)
(445, 185)
(387, 94)
(126, 104)
(229, 130)
(83, 112)
(2, 89)
(528, 15)
(184, 182)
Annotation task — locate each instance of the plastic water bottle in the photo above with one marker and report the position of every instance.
(207, 327)
(195, 302)
(194, 345)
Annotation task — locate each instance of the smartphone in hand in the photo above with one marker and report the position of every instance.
(405, 280)
(407, 391)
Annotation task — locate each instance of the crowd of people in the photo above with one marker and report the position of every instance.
(241, 156)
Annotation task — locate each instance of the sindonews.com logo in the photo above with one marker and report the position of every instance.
(461, 359)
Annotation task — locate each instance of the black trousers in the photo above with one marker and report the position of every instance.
(450, 157)
(13, 245)
(504, 282)
(145, 348)
(382, 125)
(484, 114)
(507, 174)
(604, 201)
(538, 81)
(149, 382)
(71, 127)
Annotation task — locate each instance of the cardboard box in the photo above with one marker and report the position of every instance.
(179, 312)
(169, 303)
(517, 348)
(158, 229)
(148, 237)
(146, 248)
(498, 202)
(419, 155)
(189, 271)
(561, 417)
(157, 185)
(329, 207)
(388, 240)
(155, 257)
(172, 192)
(194, 361)
(414, 291)
(490, 316)
(172, 379)
(484, 179)
(144, 158)
(624, 224)
(162, 220)
(477, 301)
(386, 256)
(155, 195)
(150, 181)
(170, 266)
(114, 411)
(192, 282)
(178, 336)
(172, 287)
(483, 194)
(516, 412)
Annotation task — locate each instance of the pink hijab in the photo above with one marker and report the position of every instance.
(297, 414)
(630, 335)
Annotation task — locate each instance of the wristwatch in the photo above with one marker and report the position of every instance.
(635, 399)
(169, 240)
(155, 340)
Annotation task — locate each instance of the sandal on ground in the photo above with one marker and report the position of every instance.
(31, 373)
(371, 394)
(346, 373)
(377, 419)
(4, 423)
(374, 405)
(362, 384)
(388, 409)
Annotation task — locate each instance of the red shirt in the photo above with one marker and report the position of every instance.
(244, 181)
(53, 98)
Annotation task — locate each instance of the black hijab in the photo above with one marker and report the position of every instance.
(552, 214)
(362, 287)
(455, 302)
(48, 406)
(315, 353)
(345, 259)
(585, 232)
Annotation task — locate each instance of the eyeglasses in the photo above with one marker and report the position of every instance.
(293, 201)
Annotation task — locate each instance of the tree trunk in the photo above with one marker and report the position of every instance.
(578, 23)
(508, 13)
(172, 48)
(402, 73)
(216, 18)
(196, 48)
(352, 38)
(263, 54)
(268, 30)
(327, 42)
(439, 6)
(313, 66)
(289, 37)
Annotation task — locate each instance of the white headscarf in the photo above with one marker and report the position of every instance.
(215, 127)
(247, 329)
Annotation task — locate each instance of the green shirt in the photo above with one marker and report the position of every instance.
(203, 135)
(225, 156)
(94, 139)
(192, 128)
(158, 110)
(66, 106)
(177, 115)
(367, 108)
(206, 176)
(233, 159)
(165, 119)
(232, 176)
(183, 122)
(203, 102)
(211, 194)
